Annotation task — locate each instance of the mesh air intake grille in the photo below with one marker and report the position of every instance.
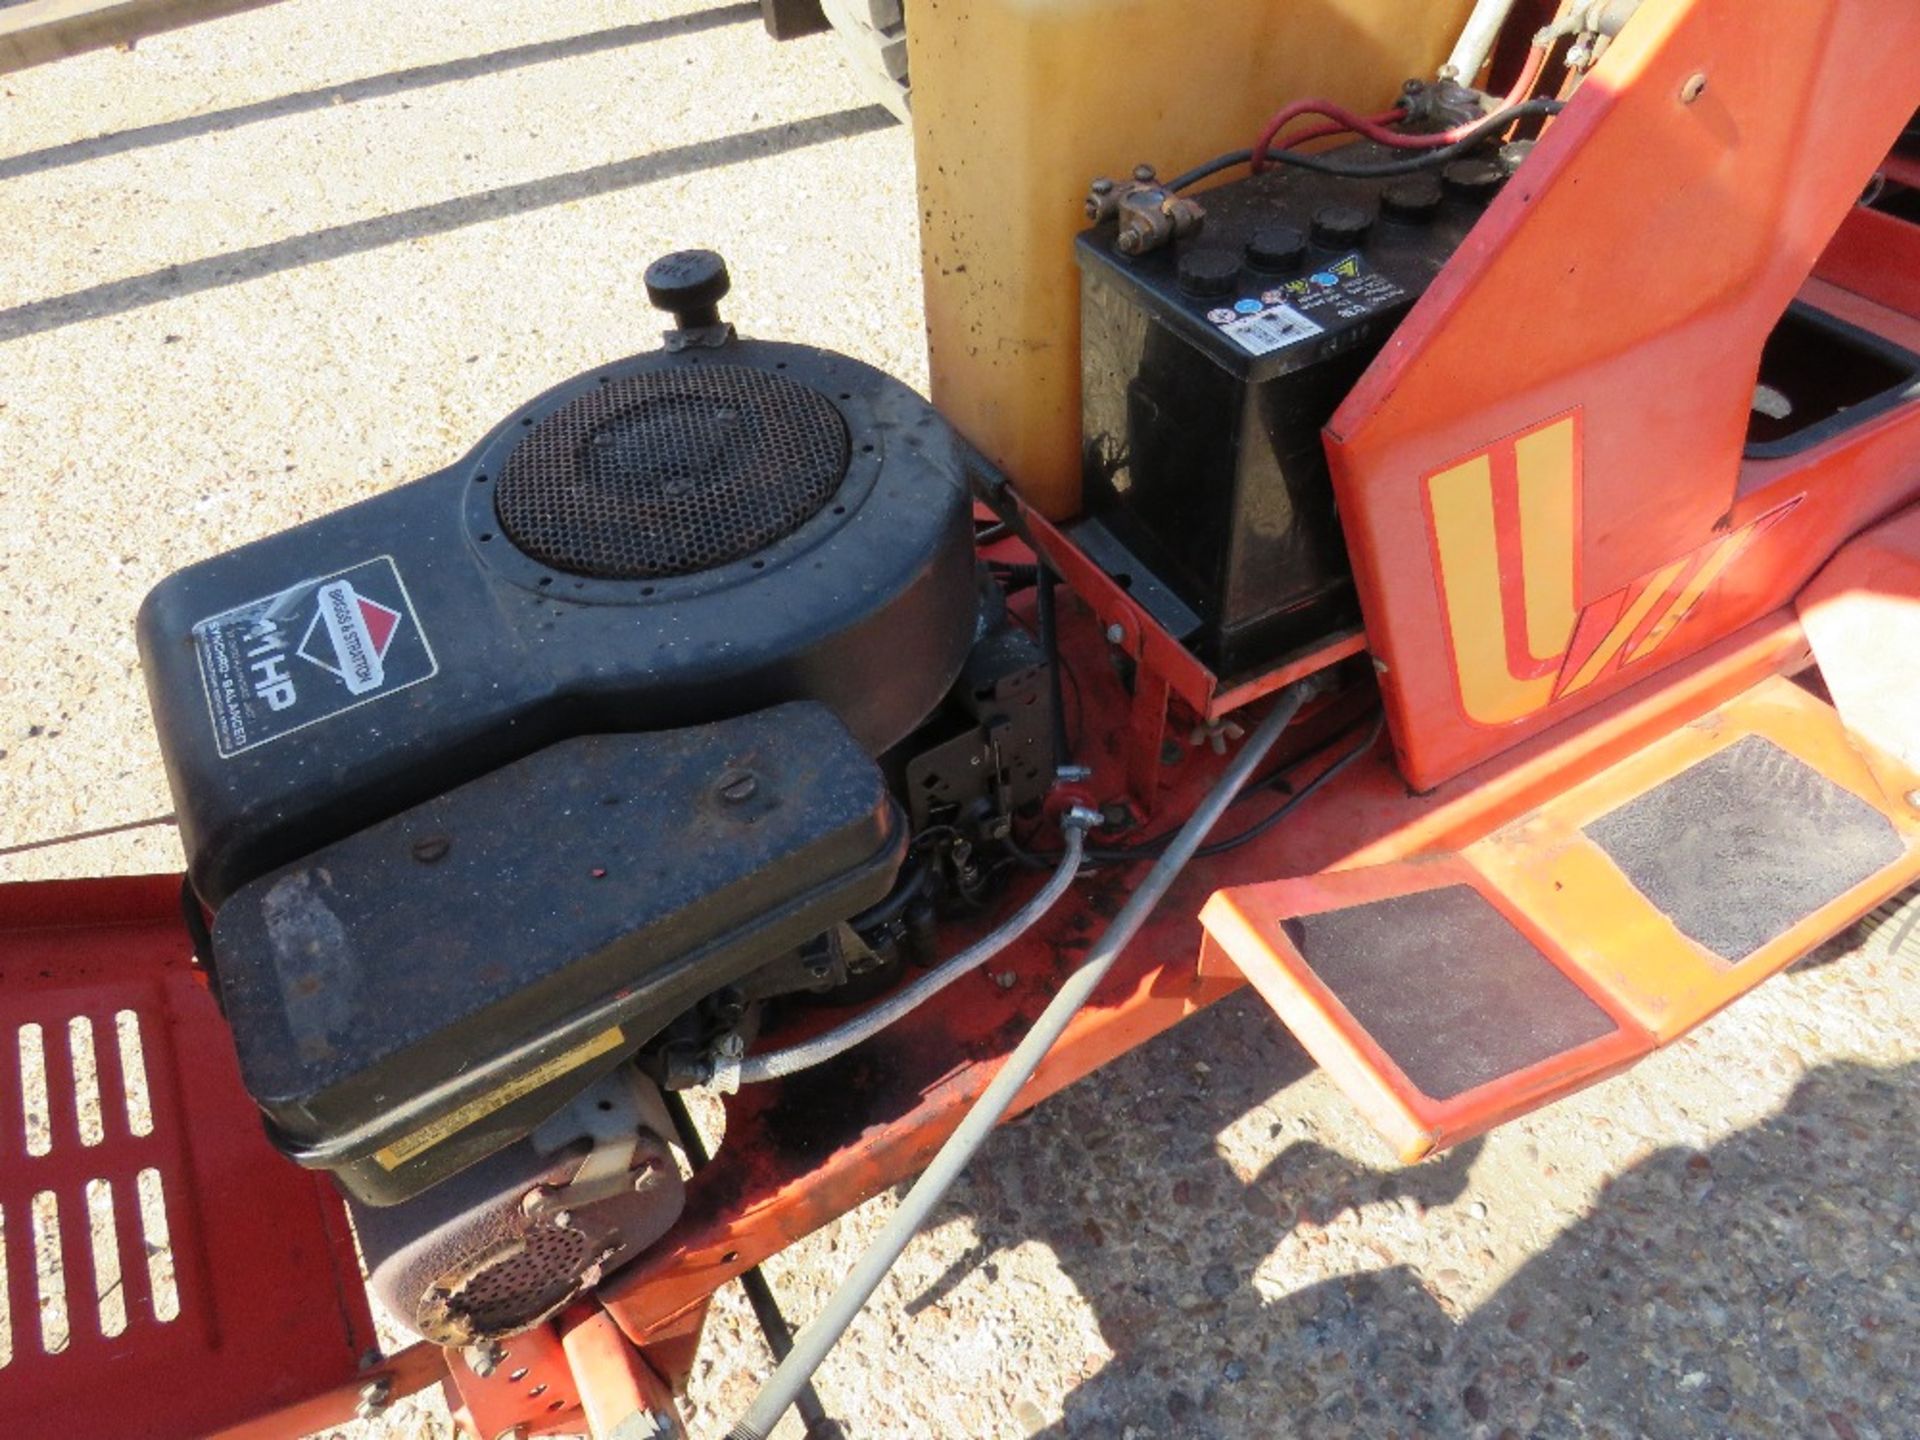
(672, 472)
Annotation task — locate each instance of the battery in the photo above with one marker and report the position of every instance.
(1208, 370)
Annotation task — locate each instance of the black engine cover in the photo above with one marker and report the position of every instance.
(419, 994)
(676, 539)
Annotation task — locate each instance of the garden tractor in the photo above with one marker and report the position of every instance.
(1418, 513)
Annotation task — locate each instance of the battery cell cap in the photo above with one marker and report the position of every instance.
(1414, 199)
(1277, 248)
(1514, 153)
(1209, 271)
(1340, 226)
(1477, 180)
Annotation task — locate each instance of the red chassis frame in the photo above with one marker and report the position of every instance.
(1461, 375)
(792, 1163)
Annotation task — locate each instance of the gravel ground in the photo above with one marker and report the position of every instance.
(261, 268)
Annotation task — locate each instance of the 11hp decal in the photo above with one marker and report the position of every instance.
(309, 652)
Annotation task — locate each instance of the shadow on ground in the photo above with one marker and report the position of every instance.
(1766, 1286)
(234, 267)
(373, 87)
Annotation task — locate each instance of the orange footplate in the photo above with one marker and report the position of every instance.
(1449, 993)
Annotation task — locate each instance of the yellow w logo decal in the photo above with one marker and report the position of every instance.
(1504, 524)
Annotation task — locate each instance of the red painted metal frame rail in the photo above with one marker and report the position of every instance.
(1168, 670)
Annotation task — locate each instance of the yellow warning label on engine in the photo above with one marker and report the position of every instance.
(434, 1131)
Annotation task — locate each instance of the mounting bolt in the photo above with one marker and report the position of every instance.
(1116, 632)
(1912, 798)
(432, 848)
(563, 1218)
(375, 1396)
(1694, 88)
(484, 1359)
(737, 787)
(512, 1432)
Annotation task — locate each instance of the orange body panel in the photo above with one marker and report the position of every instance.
(1591, 913)
(1625, 280)
(1876, 256)
(1243, 930)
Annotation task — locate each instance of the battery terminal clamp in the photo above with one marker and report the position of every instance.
(1150, 216)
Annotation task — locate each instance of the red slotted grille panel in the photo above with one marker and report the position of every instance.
(237, 1291)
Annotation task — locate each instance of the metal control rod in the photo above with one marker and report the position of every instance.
(813, 1343)
(753, 1280)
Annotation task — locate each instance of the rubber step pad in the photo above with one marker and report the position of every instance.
(1449, 993)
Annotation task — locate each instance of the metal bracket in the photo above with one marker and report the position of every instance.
(613, 1114)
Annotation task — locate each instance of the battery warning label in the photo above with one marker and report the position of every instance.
(309, 652)
(1343, 290)
(1273, 328)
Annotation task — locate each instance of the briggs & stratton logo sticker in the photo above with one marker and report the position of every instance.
(356, 632)
(307, 653)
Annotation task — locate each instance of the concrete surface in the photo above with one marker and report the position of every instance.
(259, 269)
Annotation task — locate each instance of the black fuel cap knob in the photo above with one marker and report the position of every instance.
(1415, 199)
(690, 284)
(1278, 248)
(1339, 227)
(1210, 271)
(1476, 180)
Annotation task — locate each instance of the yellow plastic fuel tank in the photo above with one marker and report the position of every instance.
(1019, 104)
